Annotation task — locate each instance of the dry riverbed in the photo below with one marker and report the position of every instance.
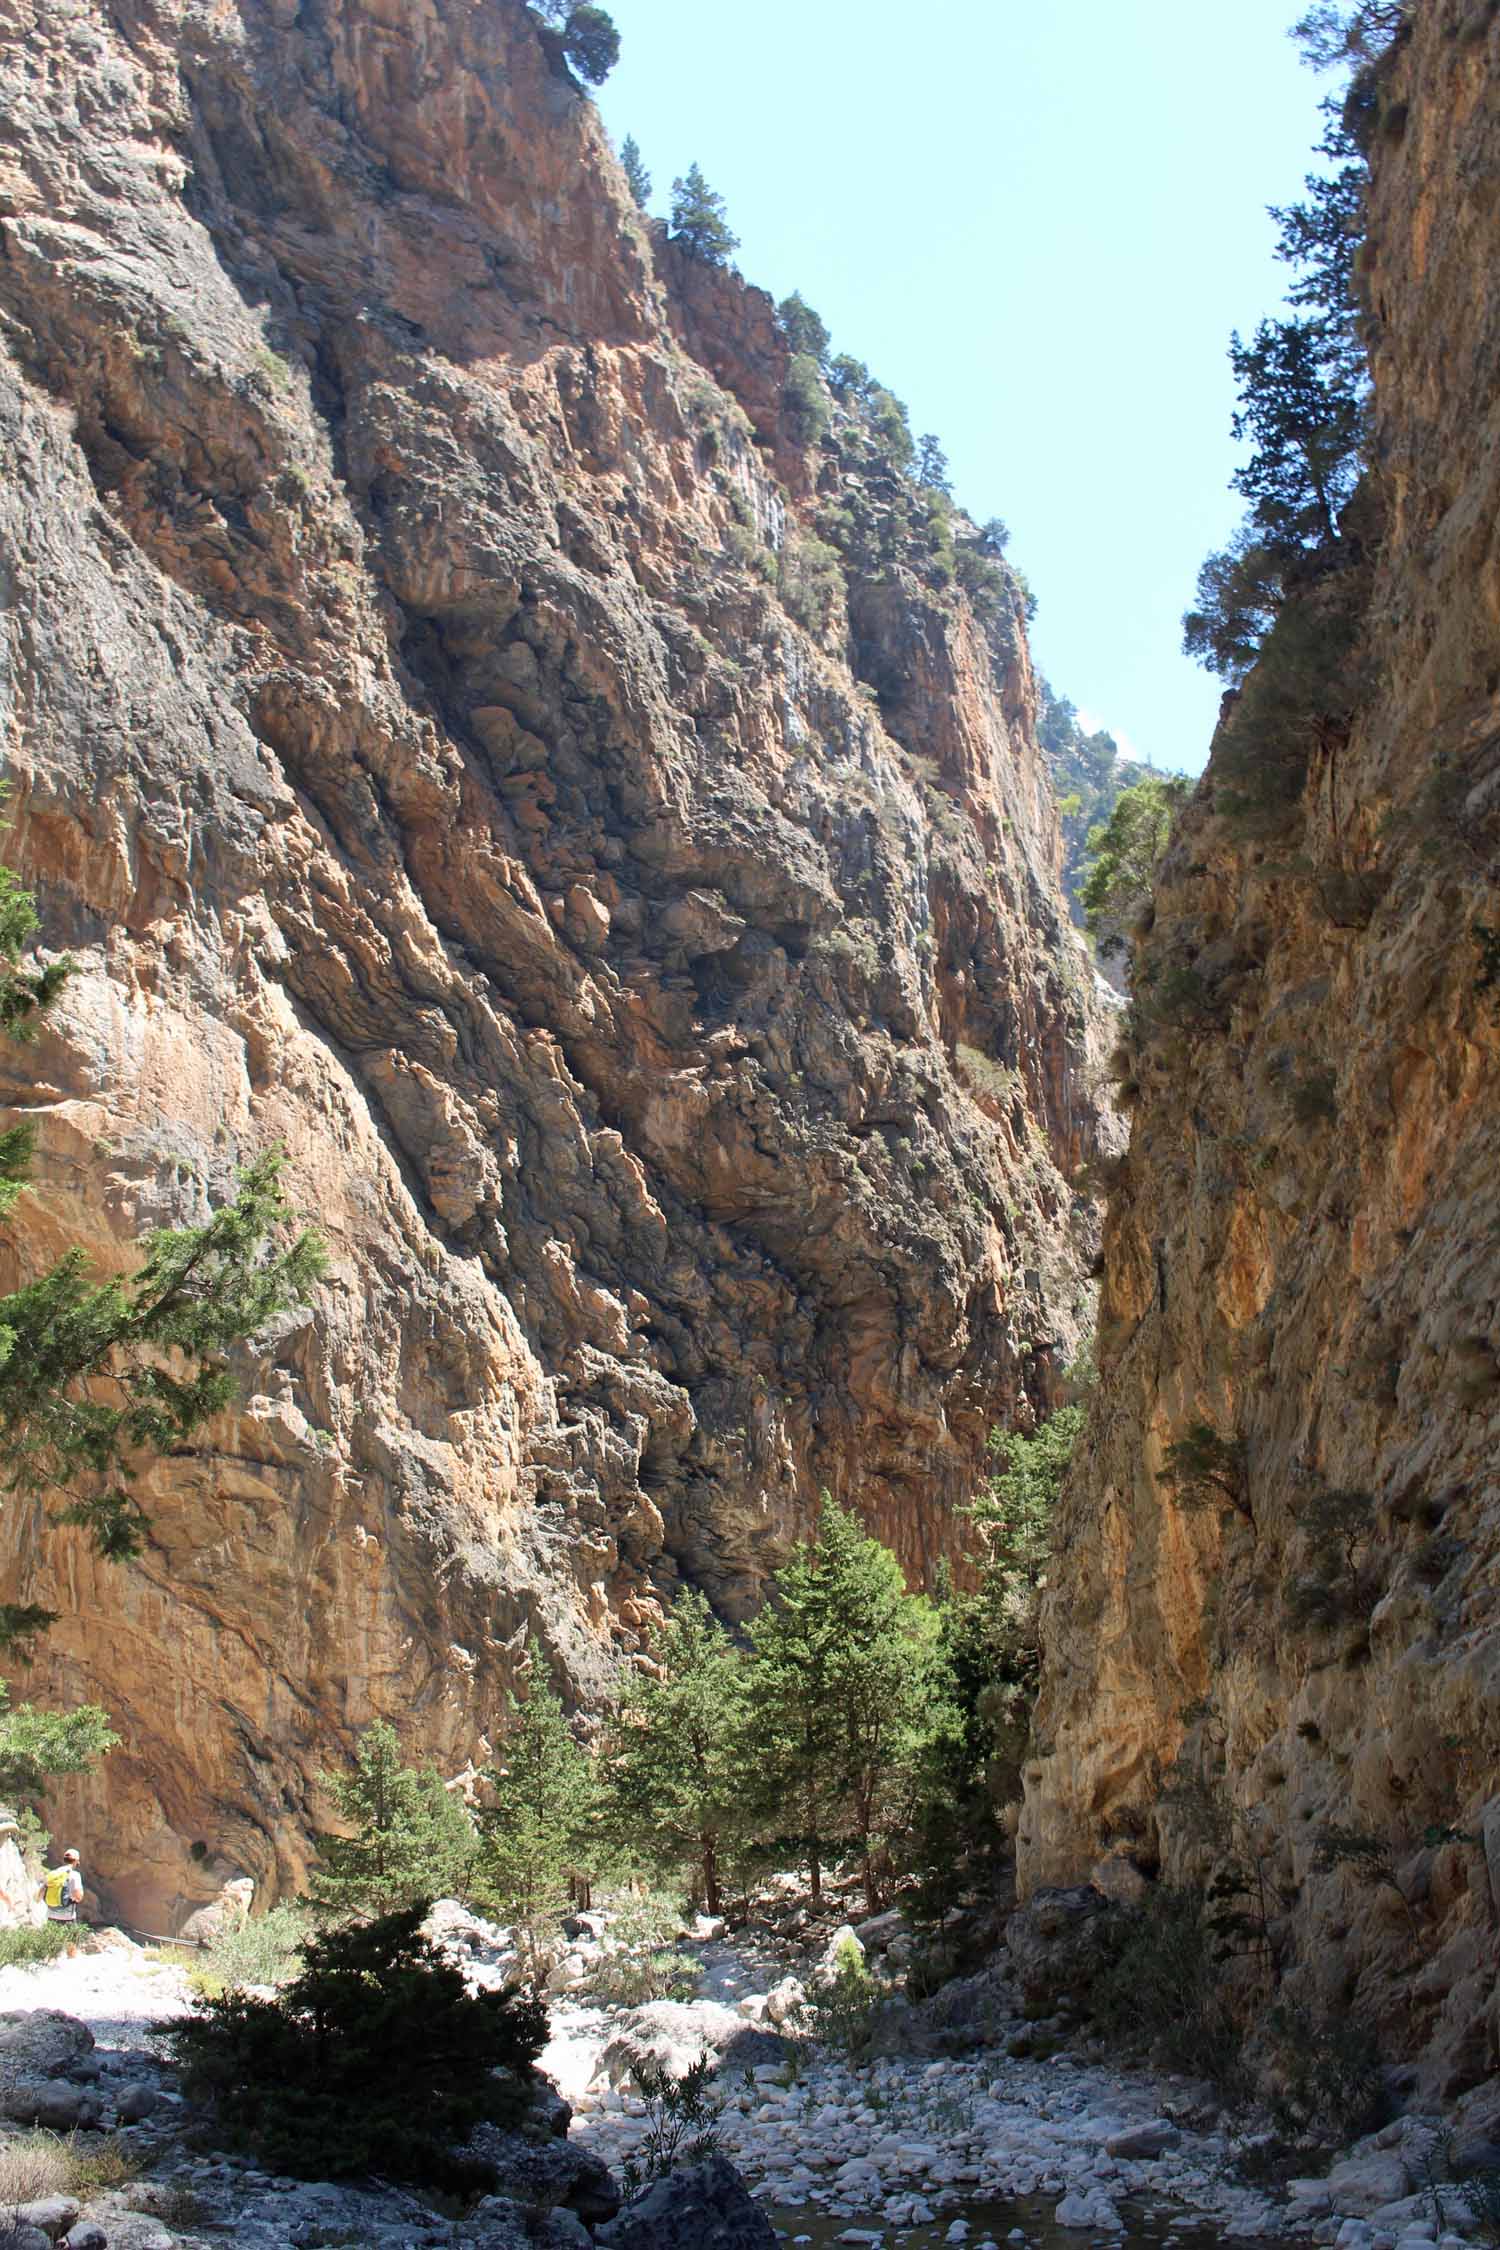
(915, 2147)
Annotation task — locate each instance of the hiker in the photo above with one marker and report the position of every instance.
(62, 1889)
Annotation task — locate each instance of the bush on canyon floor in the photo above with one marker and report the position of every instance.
(376, 2058)
(26, 1946)
(682, 2121)
(1162, 1992)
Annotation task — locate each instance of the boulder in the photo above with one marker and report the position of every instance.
(1117, 1878)
(229, 1911)
(55, 2103)
(1058, 1941)
(671, 2034)
(1365, 2181)
(1090, 2210)
(42, 2042)
(52, 2215)
(541, 2175)
(1153, 2138)
(703, 2207)
(877, 1933)
(135, 2102)
(784, 1999)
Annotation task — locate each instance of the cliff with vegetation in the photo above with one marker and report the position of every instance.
(1272, 1637)
(481, 713)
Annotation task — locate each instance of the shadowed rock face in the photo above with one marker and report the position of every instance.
(1305, 1250)
(680, 1043)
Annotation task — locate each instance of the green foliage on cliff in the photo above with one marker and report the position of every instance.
(408, 1837)
(587, 35)
(1088, 773)
(803, 329)
(637, 178)
(1123, 854)
(96, 1377)
(699, 223)
(1301, 381)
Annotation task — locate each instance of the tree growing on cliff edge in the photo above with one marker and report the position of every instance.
(589, 39)
(1123, 854)
(698, 220)
(803, 329)
(637, 178)
(97, 1377)
(673, 1760)
(534, 1832)
(410, 1838)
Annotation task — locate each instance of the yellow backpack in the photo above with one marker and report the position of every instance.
(55, 1885)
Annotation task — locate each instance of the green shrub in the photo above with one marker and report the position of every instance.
(1313, 1099)
(683, 2121)
(840, 2010)
(1162, 1993)
(28, 1946)
(375, 2058)
(265, 1950)
(804, 401)
(1204, 1470)
(1324, 2071)
(812, 583)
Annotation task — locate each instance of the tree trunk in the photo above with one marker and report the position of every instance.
(711, 1901)
(815, 1865)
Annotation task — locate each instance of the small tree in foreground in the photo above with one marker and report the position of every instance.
(36, 1745)
(411, 1838)
(97, 1376)
(674, 1757)
(699, 222)
(375, 2058)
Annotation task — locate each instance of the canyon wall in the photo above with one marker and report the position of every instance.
(667, 1005)
(1303, 1251)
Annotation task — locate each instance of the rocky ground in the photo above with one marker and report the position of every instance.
(947, 2120)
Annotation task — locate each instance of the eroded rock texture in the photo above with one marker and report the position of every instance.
(669, 1010)
(1304, 1254)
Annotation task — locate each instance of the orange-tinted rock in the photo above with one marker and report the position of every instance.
(421, 778)
(1305, 1252)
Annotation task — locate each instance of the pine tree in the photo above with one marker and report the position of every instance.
(837, 1691)
(36, 1745)
(803, 330)
(534, 1830)
(155, 1342)
(932, 464)
(412, 1841)
(673, 1758)
(591, 43)
(1305, 419)
(698, 220)
(637, 178)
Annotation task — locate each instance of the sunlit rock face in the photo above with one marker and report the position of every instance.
(669, 1012)
(1304, 1253)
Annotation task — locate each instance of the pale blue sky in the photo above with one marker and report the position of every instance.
(1038, 224)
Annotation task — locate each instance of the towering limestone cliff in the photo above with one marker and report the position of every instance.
(1303, 1255)
(444, 748)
